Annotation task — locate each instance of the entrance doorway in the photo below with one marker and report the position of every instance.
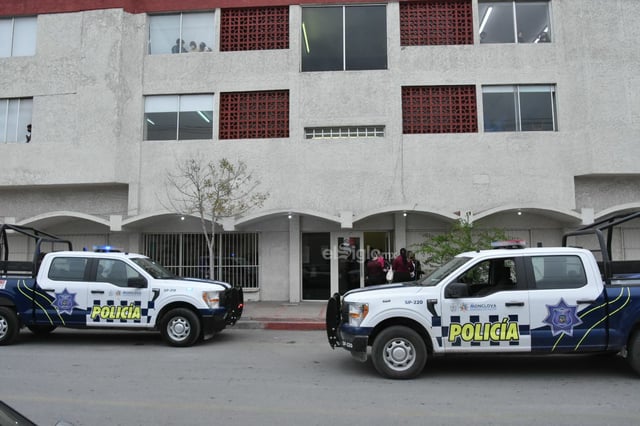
(350, 253)
(316, 266)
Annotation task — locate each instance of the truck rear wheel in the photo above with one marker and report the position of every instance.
(180, 327)
(399, 352)
(9, 325)
(633, 351)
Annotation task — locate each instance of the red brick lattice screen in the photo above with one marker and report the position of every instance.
(251, 115)
(254, 29)
(436, 22)
(439, 109)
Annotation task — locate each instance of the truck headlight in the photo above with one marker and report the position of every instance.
(211, 298)
(357, 313)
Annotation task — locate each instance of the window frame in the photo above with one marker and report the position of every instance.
(344, 42)
(6, 114)
(14, 37)
(211, 39)
(147, 120)
(544, 35)
(517, 91)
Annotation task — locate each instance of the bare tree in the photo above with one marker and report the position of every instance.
(213, 191)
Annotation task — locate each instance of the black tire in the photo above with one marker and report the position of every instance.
(180, 327)
(633, 351)
(9, 325)
(41, 330)
(399, 353)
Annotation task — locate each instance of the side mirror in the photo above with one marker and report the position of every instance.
(137, 282)
(456, 291)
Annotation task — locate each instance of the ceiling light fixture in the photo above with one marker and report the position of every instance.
(204, 117)
(306, 40)
(485, 18)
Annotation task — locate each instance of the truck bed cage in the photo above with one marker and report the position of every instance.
(39, 237)
(598, 229)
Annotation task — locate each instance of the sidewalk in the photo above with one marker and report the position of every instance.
(283, 316)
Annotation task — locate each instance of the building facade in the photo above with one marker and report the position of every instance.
(372, 125)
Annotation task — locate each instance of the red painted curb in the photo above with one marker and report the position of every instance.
(284, 325)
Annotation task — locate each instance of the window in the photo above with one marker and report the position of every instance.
(519, 108)
(558, 272)
(514, 21)
(439, 109)
(115, 272)
(254, 28)
(344, 132)
(173, 117)
(490, 276)
(67, 269)
(249, 115)
(18, 37)
(180, 33)
(15, 116)
(339, 38)
(436, 22)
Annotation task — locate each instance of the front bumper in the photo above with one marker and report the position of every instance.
(233, 300)
(212, 323)
(339, 334)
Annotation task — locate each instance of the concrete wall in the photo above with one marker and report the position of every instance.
(91, 73)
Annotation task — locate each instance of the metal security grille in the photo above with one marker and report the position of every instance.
(436, 22)
(439, 109)
(186, 255)
(344, 132)
(250, 115)
(254, 29)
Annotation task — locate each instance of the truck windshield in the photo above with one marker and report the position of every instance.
(437, 275)
(152, 268)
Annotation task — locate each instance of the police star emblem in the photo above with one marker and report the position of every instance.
(65, 302)
(562, 318)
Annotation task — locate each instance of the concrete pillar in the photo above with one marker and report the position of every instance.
(400, 232)
(295, 260)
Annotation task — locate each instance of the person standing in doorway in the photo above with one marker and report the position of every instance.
(375, 269)
(402, 267)
(28, 135)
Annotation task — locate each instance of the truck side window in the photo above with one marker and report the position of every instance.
(490, 277)
(67, 269)
(115, 272)
(558, 272)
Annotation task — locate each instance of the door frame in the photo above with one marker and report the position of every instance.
(336, 252)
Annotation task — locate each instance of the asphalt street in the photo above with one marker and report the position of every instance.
(258, 377)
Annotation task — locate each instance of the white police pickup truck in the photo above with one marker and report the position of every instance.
(517, 300)
(107, 290)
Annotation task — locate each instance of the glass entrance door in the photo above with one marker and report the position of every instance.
(347, 262)
(316, 266)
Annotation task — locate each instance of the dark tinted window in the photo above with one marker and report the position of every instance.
(67, 269)
(558, 272)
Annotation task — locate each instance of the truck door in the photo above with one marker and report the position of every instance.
(65, 286)
(486, 308)
(568, 313)
(118, 297)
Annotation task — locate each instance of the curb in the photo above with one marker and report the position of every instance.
(279, 325)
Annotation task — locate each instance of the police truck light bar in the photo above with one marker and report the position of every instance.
(509, 244)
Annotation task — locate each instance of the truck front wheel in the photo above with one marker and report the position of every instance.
(9, 325)
(399, 352)
(180, 327)
(633, 351)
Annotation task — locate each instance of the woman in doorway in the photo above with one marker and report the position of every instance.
(402, 267)
(375, 269)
